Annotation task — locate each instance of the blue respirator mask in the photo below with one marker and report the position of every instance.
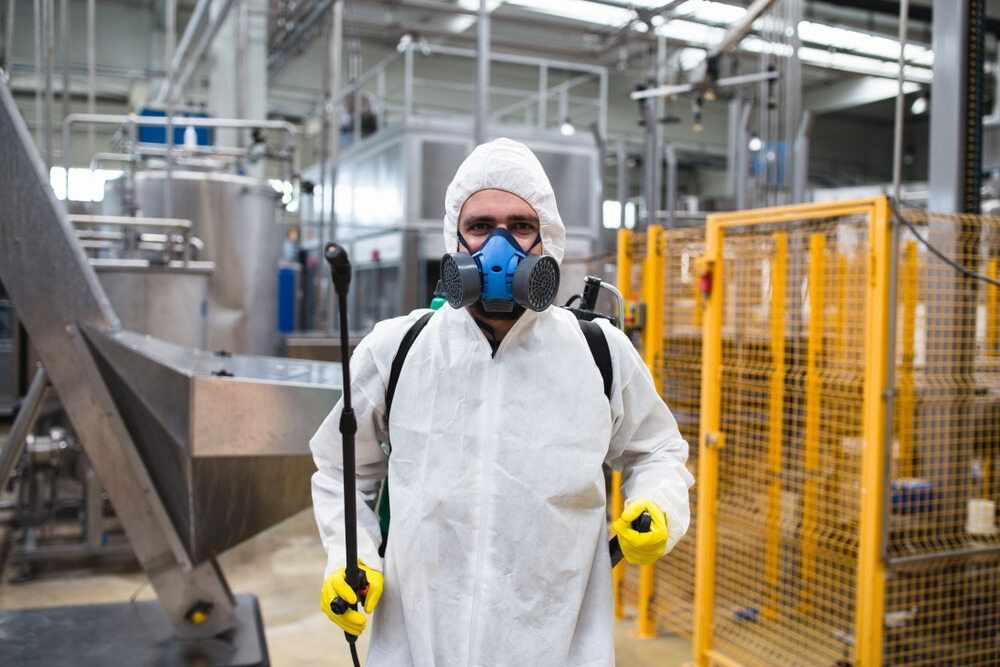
(499, 275)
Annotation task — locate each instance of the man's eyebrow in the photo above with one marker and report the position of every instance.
(478, 218)
(523, 218)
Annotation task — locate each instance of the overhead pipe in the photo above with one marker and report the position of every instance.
(181, 52)
(482, 73)
(64, 46)
(207, 36)
(8, 60)
(91, 71)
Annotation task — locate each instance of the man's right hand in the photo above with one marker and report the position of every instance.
(350, 621)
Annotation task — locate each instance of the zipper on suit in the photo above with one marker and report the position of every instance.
(484, 512)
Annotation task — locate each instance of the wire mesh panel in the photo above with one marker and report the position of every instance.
(943, 547)
(680, 370)
(791, 401)
(786, 411)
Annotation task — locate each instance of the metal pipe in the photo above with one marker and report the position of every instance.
(622, 178)
(800, 176)
(889, 396)
(670, 156)
(8, 61)
(743, 159)
(242, 49)
(482, 73)
(227, 123)
(127, 221)
(91, 71)
(986, 550)
(682, 88)
(335, 56)
(39, 121)
(27, 415)
(170, 9)
(602, 107)
(651, 162)
(200, 49)
(180, 53)
(64, 46)
(48, 52)
(543, 92)
(897, 141)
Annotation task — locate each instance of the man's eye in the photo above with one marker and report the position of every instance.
(524, 228)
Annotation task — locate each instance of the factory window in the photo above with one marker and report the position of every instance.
(84, 184)
(612, 214)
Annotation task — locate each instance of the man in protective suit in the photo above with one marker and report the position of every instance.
(499, 428)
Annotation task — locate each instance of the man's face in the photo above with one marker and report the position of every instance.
(486, 210)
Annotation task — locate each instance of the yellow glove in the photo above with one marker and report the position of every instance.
(351, 621)
(641, 548)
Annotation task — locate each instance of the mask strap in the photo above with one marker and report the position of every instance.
(537, 241)
(462, 242)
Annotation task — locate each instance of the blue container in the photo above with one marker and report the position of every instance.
(157, 134)
(288, 293)
(911, 495)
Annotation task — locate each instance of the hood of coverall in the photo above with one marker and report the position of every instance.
(505, 164)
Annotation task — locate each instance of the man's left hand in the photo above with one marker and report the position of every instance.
(642, 548)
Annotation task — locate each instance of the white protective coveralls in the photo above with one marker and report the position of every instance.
(498, 546)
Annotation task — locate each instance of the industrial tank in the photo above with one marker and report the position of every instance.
(236, 219)
(168, 301)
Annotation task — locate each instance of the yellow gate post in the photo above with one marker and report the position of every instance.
(814, 396)
(775, 430)
(617, 502)
(708, 459)
(991, 310)
(870, 590)
(653, 272)
(908, 292)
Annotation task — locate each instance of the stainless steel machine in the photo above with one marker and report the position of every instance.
(235, 219)
(390, 182)
(197, 450)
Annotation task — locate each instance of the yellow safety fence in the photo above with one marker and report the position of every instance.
(849, 407)
(658, 275)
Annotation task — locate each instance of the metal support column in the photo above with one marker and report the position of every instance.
(670, 160)
(482, 73)
(954, 183)
(27, 415)
(800, 163)
(650, 161)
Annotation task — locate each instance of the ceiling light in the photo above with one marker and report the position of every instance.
(755, 144)
(919, 105)
(567, 128)
(579, 10)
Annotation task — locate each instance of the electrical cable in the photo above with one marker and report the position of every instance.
(354, 655)
(940, 255)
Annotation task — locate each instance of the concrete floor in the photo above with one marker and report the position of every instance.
(282, 566)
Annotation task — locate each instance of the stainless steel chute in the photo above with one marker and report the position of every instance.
(195, 451)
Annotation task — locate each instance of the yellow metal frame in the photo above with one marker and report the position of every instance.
(617, 501)
(777, 410)
(814, 400)
(870, 584)
(653, 288)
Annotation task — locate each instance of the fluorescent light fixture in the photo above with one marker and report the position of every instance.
(849, 62)
(860, 42)
(919, 105)
(692, 33)
(612, 214)
(462, 23)
(84, 184)
(579, 10)
(710, 12)
(690, 57)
